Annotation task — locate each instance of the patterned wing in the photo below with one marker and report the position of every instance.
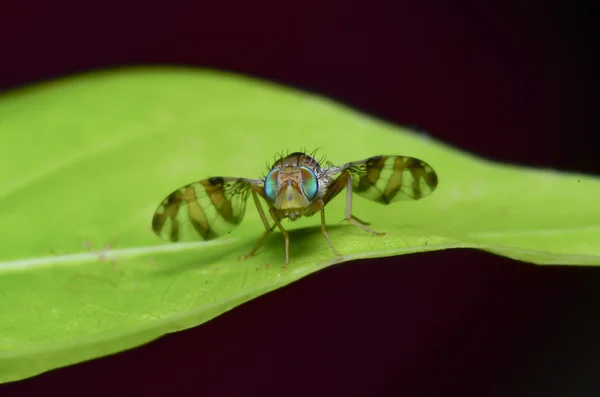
(203, 210)
(386, 179)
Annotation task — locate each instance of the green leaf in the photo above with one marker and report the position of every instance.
(86, 160)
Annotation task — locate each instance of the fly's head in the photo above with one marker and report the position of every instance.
(292, 184)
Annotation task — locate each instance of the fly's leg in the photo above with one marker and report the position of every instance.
(258, 245)
(351, 218)
(265, 221)
(321, 204)
(286, 236)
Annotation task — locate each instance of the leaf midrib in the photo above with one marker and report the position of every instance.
(90, 256)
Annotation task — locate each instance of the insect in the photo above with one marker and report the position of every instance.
(296, 185)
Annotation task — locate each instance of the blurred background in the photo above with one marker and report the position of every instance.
(512, 81)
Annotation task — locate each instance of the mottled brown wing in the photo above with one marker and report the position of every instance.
(386, 179)
(203, 210)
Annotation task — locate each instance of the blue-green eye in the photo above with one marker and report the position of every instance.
(271, 188)
(310, 184)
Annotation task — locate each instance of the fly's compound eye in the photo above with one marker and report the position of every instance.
(271, 185)
(310, 184)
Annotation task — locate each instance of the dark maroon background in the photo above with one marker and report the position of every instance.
(513, 81)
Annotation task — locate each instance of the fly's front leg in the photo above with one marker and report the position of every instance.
(321, 207)
(258, 245)
(286, 236)
(263, 217)
(349, 217)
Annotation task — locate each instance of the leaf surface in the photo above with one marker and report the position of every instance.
(85, 161)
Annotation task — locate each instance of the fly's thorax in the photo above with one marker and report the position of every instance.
(298, 159)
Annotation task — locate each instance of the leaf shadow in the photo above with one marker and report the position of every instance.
(301, 240)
